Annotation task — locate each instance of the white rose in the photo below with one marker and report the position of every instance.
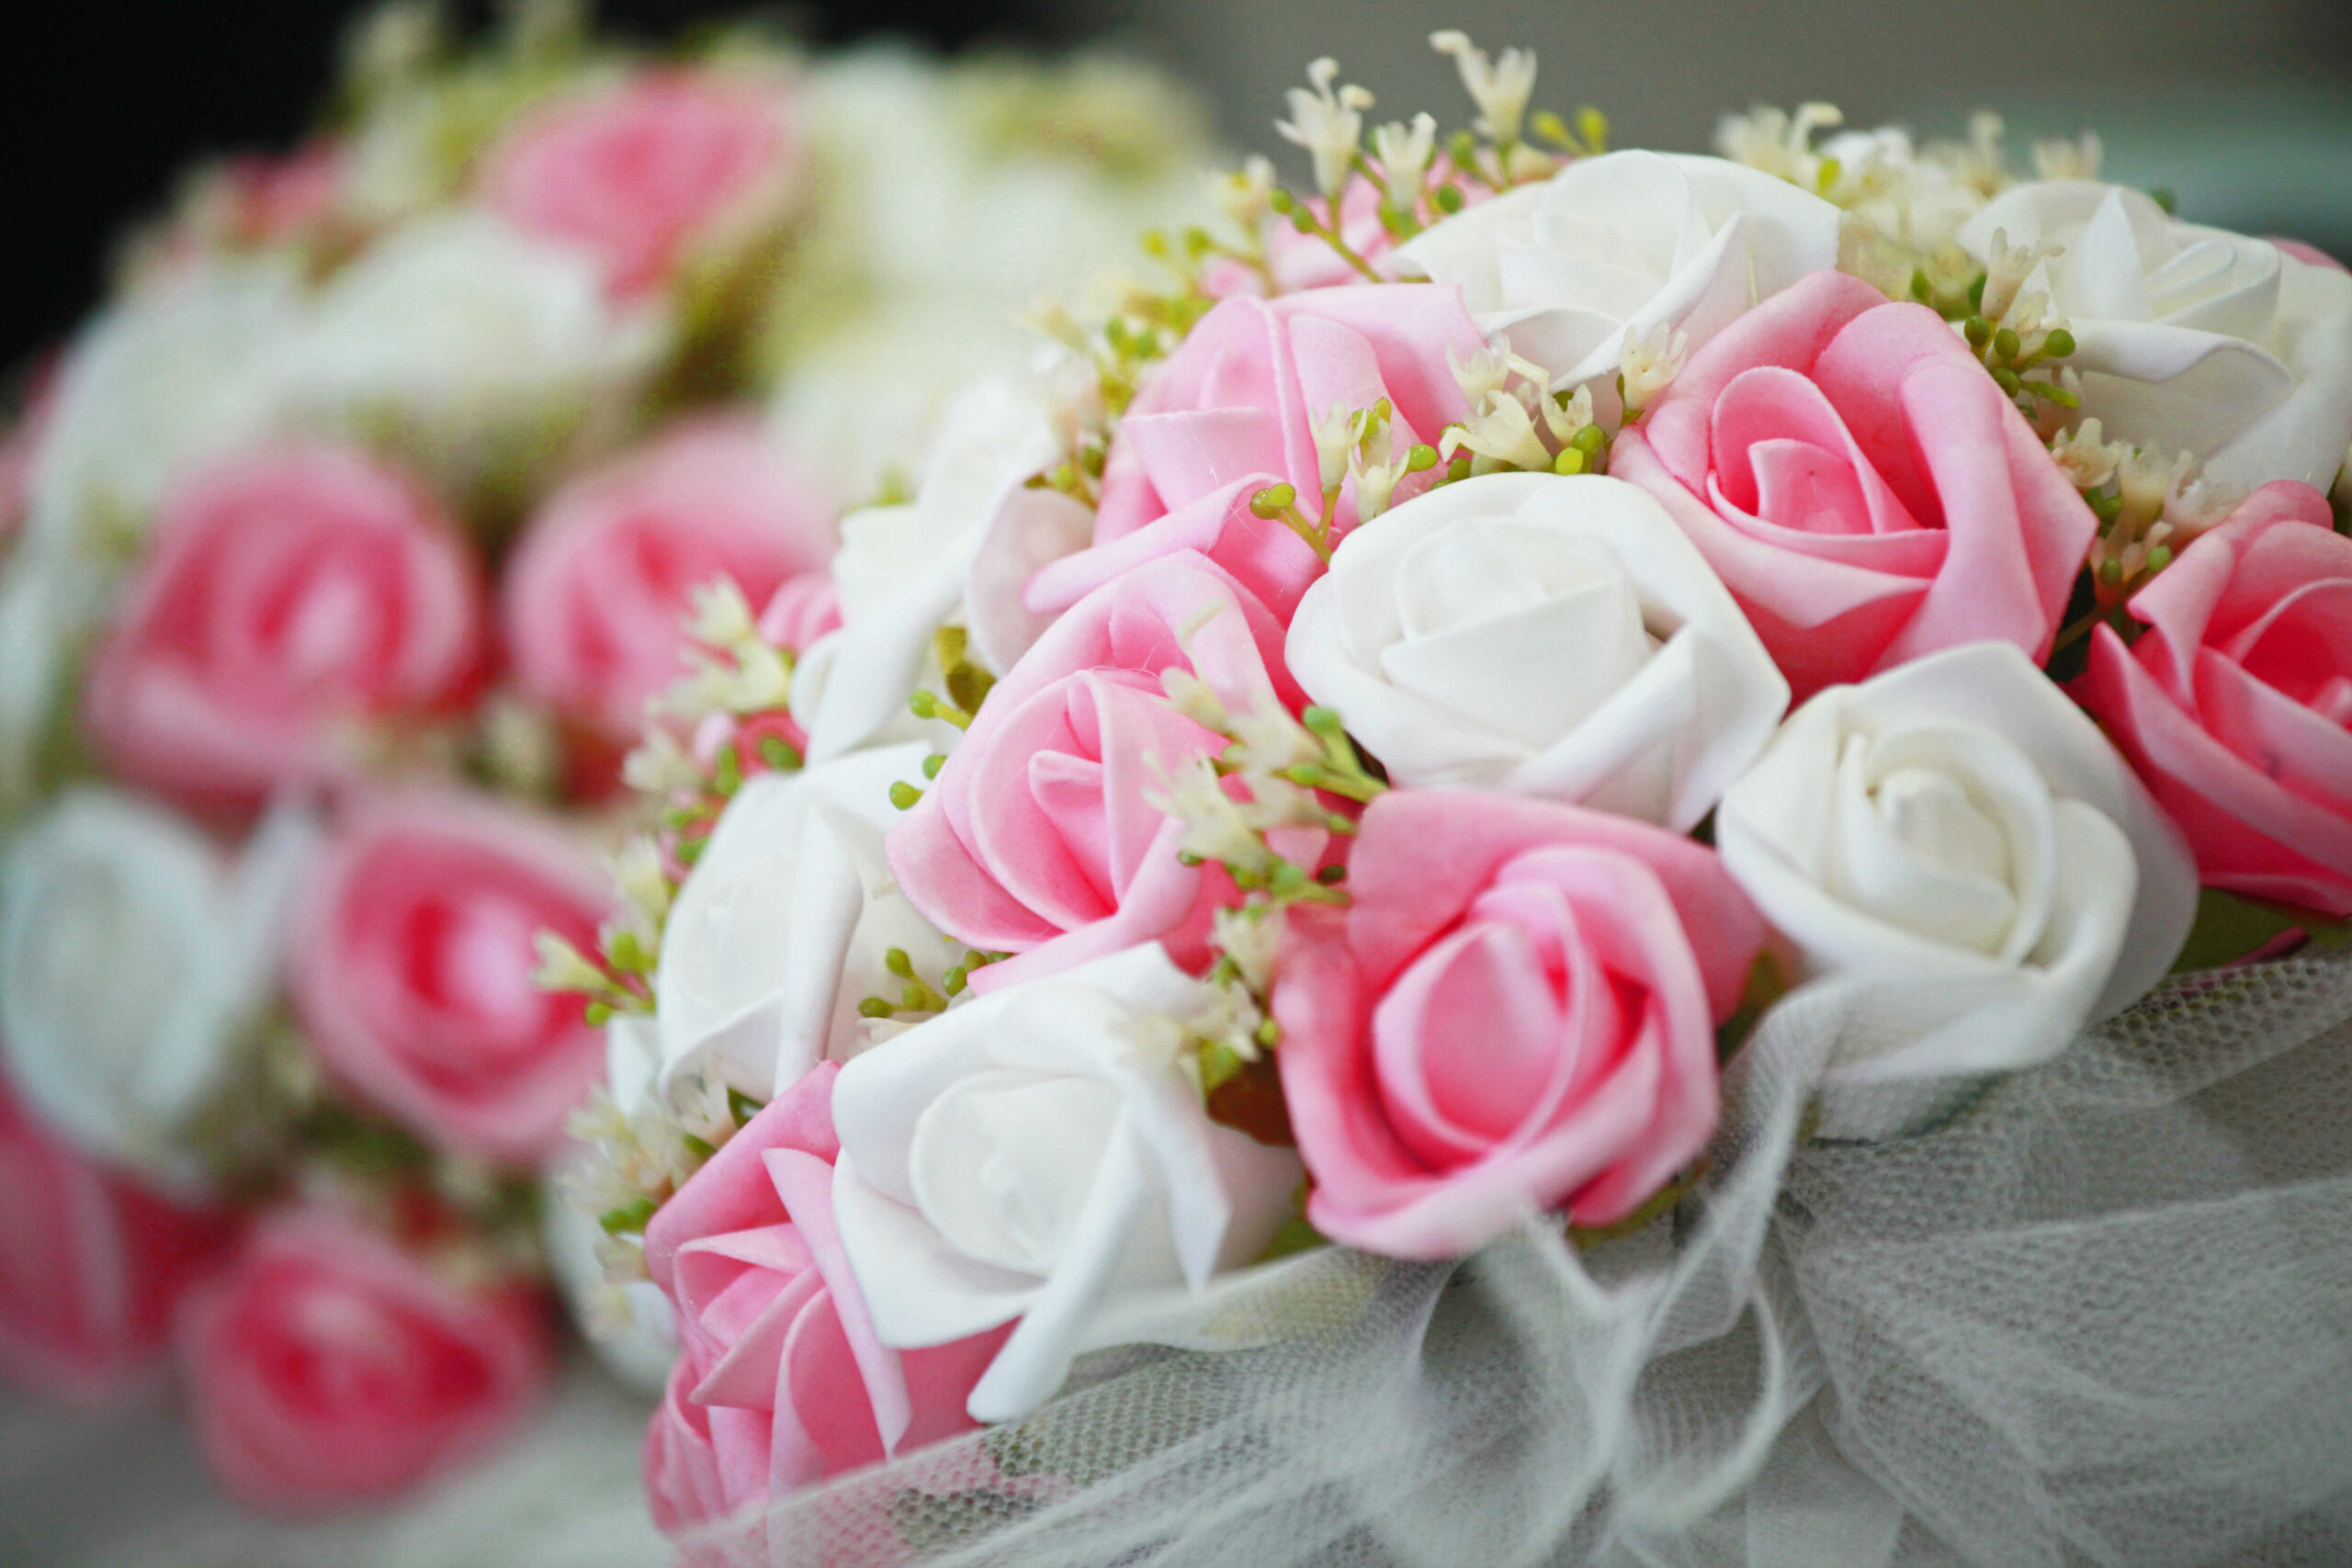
(1956, 845)
(465, 333)
(1543, 635)
(782, 929)
(1627, 241)
(168, 377)
(961, 549)
(1034, 1153)
(2195, 339)
(136, 958)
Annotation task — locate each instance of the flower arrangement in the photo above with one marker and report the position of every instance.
(343, 551)
(1589, 712)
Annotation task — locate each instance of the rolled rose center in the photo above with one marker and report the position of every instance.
(1001, 1163)
(1945, 833)
(1497, 1028)
(1526, 628)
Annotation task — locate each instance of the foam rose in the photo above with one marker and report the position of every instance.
(633, 176)
(412, 963)
(1516, 1015)
(596, 596)
(1543, 635)
(2196, 339)
(1628, 242)
(329, 1367)
(1028, 1156)
(1862, 487)
(1039, 837)
(92, 1265)
(293, 595)
(1234, 411)
(781, 1379)
(2235, 704)
(126, 1059)
(1959, 847)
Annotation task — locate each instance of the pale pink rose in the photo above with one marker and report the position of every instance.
(291, 597)
(411, 965)
(1516, 1015)
(1234, 411)
(92, 1265)
(636, 175)
(780, 1380)
(330, 1367)
(1039, 837)
(597, 597)
(2235, 704)
(1862, 485)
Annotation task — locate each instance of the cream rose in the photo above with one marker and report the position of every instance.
(1626, 242)
(1038, 1154)
(1956, 844)
(960, 550)
(136, 957)
(784, 927)
(1543, 635)
(2196, 339)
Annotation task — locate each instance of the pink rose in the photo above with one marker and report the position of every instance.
(330, 1366)
(598, 591)
(289, 595)
(90, 1265)
(1039, 837)
(1862, 485)
(635, 175)
(2235, 705)
(1516, 1014)
(412, 963)
(1234, 411)
(780, 1380)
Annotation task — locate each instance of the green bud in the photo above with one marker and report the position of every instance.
(2059, 344)
(897, 962)
(1458, 470)
(2163, 197)
(2105, 504)
(1090, 460)
(1186, 857)
(598, 1014)
(1420, 459)
(933, 763)
(1594, 127)
(1976, 292)
(1448, 199)
(727, 772)
(922, 704)
(1570, 461)
(1332, 875)
(1268, 503)
(874, 1007)
(1589, 440)
(1921, 289)
(625, 952)
(1155, 244)
(690, 849)
(1303, 221)
(1197, 242)
(1281, 200)
(2110, 571)
(2159, 557)
(701, 1148)
(1551, 127)
(2005, 342)
(1826, 180)
(1978, 331)
(903, 794)
(630, 1217)
(1268, 1033)
(778, 752)
(741, 1106)
(952, 981)
(2008, 379)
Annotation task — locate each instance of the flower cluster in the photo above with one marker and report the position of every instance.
(1348, 758)
(348, 554)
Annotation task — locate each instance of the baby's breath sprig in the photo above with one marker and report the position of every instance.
(919, 996)
(636, 1163)
(2150, 504)
(1356, 444)
(1517, 425)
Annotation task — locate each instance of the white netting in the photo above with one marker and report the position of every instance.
(2102, 1313)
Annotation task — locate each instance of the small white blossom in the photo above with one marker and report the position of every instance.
(1650, 361)
(2088, 460)
(2006, 268)
(1251, 941)
(2061, 159)
(1329, 123)
(1404, 153)
(1500, 86)
(1778, 143)
(660, 766)
(1503, 432)
(1214, 827)
(1190, 695)
(1334, 435)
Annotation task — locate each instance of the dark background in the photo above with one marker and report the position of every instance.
(102, 102)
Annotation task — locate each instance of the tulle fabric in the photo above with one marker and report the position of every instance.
(2101, 1312)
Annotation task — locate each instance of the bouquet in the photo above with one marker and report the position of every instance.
(1579, 855)
(345, 549)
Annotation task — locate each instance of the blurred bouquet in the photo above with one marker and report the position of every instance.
(1549, 801)
(345, 549)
